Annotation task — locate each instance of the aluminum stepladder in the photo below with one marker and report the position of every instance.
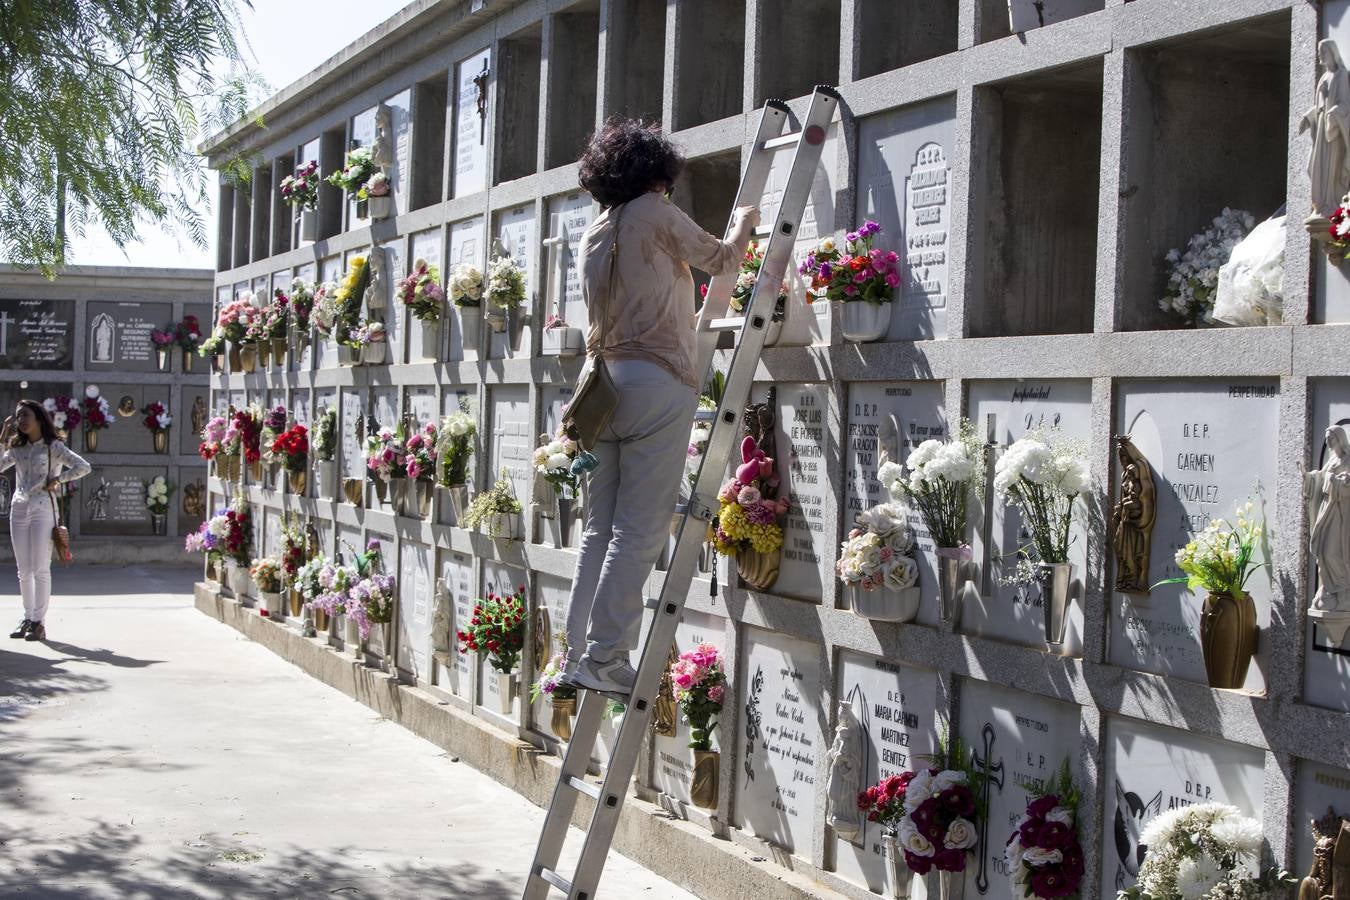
(714, 319)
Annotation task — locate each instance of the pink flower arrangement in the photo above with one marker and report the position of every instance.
(163, 340)
(420, 453)
(385, 456)
(860, 272)
(238, 318)
(748, 513)
(700, 684)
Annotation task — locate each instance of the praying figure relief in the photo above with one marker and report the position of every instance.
(844, 769)
(440, 625)
(1329, 121)
(377, 290)
(666, 712)
(1329, 878)
(382, 151)
(1135, 513)
(1329, 519)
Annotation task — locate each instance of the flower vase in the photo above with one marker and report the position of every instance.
(211, 574)
(423, 490)
(863, 321)
(162, 359)
(381, 490)
(189, 361)
(502, 526)
(296, 601)
(348, 355)
(353, 490)
(515, 321)
(560, 722)
(497, 318)
(703, 785)
(161, 440)
(506, 691)
(562, 341)
(560, 518)
(899, 874)
(947, 885)
(279, 352)
(950, 569)
(376, 353)
(363, 209)
(381, 207)
(431, 340)
(458, 495)
(296, 479)
(217, 363)
(159, 524)
(236, 359)
(264, 353)
(470, 319)
(1228, 635)
(885, 604)
(325, 479)
(91, 439)
(299, 342)
(309, 224)
(1056, 580)
(248, 358)
(351, 636)
(321, 621)
(240, 581)
(758, 570)
(272, 604)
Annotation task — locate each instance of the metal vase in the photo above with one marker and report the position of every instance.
(296, 601)
(162, 359)
(898, 873)
(506, 691)
(560, 518)
(296, 479)
(161, 440)
(279, 352)
(248, 357)
(516, 324)
(353, 490)
(1056, 580)
(236, 358)
(1228, 635)
(189, 360)
(264, 353)
(381, 490)
(703, 785)
(497, 318)
(560, 722)
(950, 570)
(758, 570)
(91, 440)
(458, 495)
(159, 524)
(947, 885)
(425, 491)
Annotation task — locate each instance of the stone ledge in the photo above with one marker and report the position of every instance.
(677, 850)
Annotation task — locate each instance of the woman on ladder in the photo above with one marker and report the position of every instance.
(642, 322)
(41, 463)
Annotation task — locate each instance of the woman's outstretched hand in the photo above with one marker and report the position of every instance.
(745, 220)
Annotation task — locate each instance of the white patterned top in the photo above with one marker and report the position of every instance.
(31, 464)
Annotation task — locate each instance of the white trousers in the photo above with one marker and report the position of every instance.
(630, 498)
(30, 530)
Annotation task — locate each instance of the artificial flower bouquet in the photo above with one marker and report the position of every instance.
(1193, 274)
(497, 628)
(345, 304)
(212, 438)
(365, 334)
(273, 424)
(355, 172)
(746, 279)
(188, 334)
(466, 285)
(292, 448)
(157, 419)
(376, 186)
(164, 338)
(325, 437)
(497, 501)
(203, 540)
(233, 532)
(505, 283)
(1044, 854)
(301, 188)
(940, 483)
(157, 492)
(879, 551)
(422, 293)
(1221, 559)
(293, 549)
(1209, 851)
(326, 311)
(333, 581)
(301, 304)
(276, 317)
(859, 272)
(454, 448)
(97, 413)
(1042, 475)
(214, 345)
(699, 435)
(238, 318)
(266, 572)
(700, 683)
(747, 516)
(419, 453)
(245, 433)
(370, 601)
(307, 580)
(65, 412)
(549, 683)
(554, 459)
(383, 459)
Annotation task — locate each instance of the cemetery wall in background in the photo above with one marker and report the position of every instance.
(1071, 158)
(91, 327)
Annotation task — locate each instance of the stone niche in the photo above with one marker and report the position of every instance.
(1326, 676)
(332, 153)
(112, 500)
(518, 81)
(426, 245)
(429, 109)
(284, 216)
(891, 39)
(894, 710)
(1316, 786)
(456, 575)
(568, 218)
(798, 48)
(308, 151)
(467, 245)
(516, 235)
(572, 58)
(1001, 18)
(1036, 172)
(40, 334)
(470, 164)
(550, 609)
(502, 580)
(636, 44)
(1184, 101)
(806, 458)
(672, 760)
(706, 191)
(416, 601)
(1211, 447)
(128, 433)
(1151, 769)
(709, 63)
(904, 184)
(351, 428)
(510, 438)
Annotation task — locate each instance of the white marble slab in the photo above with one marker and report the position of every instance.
(471, 152)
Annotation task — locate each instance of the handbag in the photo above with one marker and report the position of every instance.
(60, 534)
(595, 396)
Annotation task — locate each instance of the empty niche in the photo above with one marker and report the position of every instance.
(518, 74)
(572, 70)
(262, 206)
(1039, 140)
(710, 58)
(890, 38)
(242, 218)
(706, 190)
(1187, 100)
(1001, 18)
(224, 227)
(282, 212)
(799, 49)
(430, 109)
(332, 154)
(636, 43)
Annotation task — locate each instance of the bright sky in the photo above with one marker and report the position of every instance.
(280, 58)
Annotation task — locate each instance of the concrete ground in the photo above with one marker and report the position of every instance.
(147, 751)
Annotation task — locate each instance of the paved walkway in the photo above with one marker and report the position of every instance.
(147, 751)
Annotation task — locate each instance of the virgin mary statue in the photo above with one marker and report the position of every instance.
(1329, 516)
(1329, 119)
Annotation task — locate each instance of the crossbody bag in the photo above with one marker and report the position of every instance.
(595, 396)
(60, 534)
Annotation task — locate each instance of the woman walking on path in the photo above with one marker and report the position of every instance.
(634, 262)
(42, 462)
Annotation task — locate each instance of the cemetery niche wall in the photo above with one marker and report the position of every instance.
(1074, 241)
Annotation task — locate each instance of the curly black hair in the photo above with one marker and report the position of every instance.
(626, 159)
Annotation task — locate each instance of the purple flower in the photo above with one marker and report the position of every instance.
(851, 237)
(826, 271)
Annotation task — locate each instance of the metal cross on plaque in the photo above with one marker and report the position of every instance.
(480, 81)
(993, 777)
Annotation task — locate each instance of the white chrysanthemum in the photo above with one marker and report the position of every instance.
(1238, 833)
(951, 463)
(1197, 877)
(1061, 814)
(1161, 828)
(559, 461)
(889, 473)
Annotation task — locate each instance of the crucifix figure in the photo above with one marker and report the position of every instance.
(480, 81)
(5, 322)
(993, 777)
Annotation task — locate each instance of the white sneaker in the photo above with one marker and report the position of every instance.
(613, 677)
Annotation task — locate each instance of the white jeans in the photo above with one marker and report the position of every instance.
(630, 498)
(30, 530)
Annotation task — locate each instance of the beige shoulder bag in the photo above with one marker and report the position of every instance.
(595, 396)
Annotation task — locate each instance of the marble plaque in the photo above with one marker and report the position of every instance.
(1152, 769)
(400, 122)
(422, 404)
(918, 410)
(470, 125)
(805, 452)
(426, 245)
(362, 134)
(457, 576)
(1326, 675)
(781, 740)
(300, 410)
(416, 603)
(394, 311)
(272, 522)
(310, 151)
(1013, 613)
(551, 592)
(112, 500)
(128, 434)
(894, 710)
(117, 337)
(516, 236)
(351, 426)
(1316, 787)
(904, 184)
(1019, 740)
(568, 217)
(1210, 444)
(467, 245)
(512, 438)
(673, 761)
(326, 351)
(502, 580)
(554, 398)
(40, 334)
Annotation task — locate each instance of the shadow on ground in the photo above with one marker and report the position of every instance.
(110, 861)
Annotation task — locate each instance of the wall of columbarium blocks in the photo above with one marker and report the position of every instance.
(1067, 160)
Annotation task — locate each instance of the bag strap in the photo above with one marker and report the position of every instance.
(609, 296)
(49, 494)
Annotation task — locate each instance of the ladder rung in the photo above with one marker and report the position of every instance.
(555, 879)
(652, 602)
(582, 786)
(731, 323)
(782, 140)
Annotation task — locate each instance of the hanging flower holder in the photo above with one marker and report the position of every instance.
(947, 885)
(248, 358)
(497, 318)
(703, 786)
(297, 603)
(279, 352)
(159, 524)
(469, 320)
(380, 207)
(899, 875)
(162, 358)
(951, 562)
(296, 481)
(325, 479)
(757, 569)
(431, 341)
(1228, 637)
(863, 322)
(353, 490)
(348, 355)
(516, 319)
(381, 490)
(375, 353)
(885, 604)
(458, 496)
(309, 224)
(161, 441)
(264, 349)
(562, 340)
(503, 526)
(506, 691)
(1056, 580)
(560, 721)
(424, 490)
(559, 513)
(189, 360)
(236, 357)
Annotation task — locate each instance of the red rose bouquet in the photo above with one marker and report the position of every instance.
(248, 432)
(188, 334)
(157, 417)
(498, 629)
(293, 444)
